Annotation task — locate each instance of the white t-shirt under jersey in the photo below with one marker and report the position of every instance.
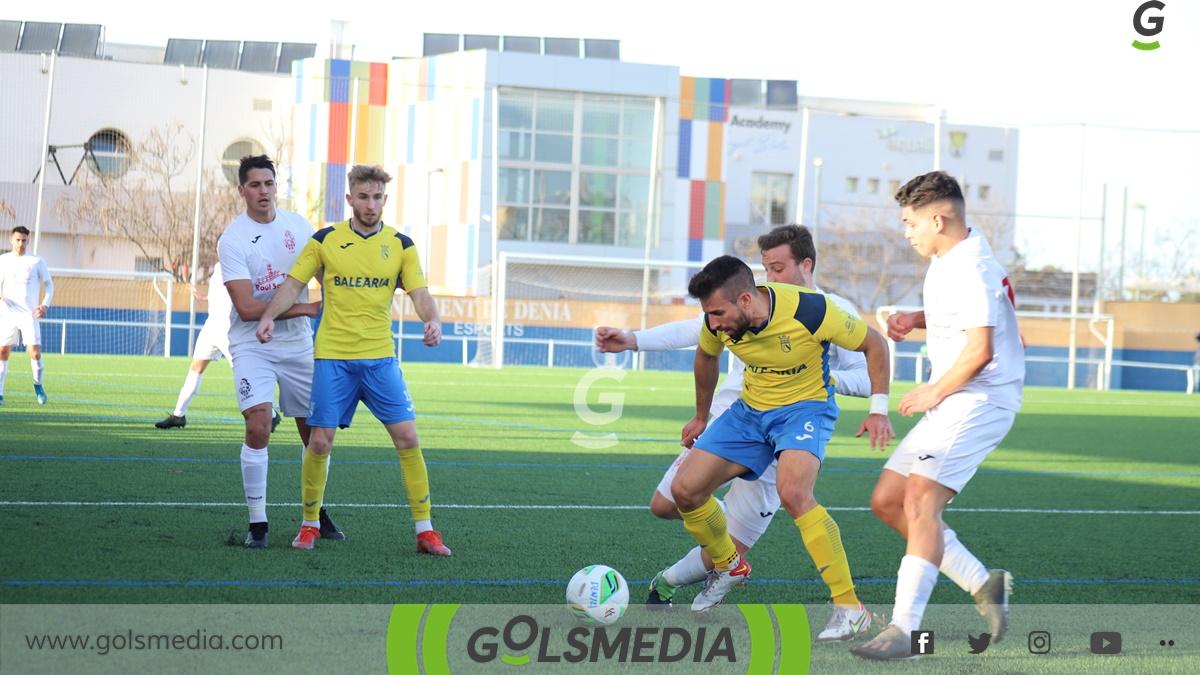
(967, 288)
(263, 254)
(19, 283)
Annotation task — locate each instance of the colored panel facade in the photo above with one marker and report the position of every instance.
(703, 113)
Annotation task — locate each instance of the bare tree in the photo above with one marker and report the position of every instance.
(152, 204)
(863, 256)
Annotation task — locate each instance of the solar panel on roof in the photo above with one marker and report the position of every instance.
(80, 39)
(221, 53)
(186, 52)
(39, 37)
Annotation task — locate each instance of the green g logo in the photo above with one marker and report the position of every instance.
(1148, 27)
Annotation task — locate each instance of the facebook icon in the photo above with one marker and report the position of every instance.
(922, 642)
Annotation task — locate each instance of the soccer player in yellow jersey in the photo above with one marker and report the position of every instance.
(786, 412)
(364, 263)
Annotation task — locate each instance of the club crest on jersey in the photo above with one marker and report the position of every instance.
(244, 389)
(289, 241)
(383, 252)
(785, 343)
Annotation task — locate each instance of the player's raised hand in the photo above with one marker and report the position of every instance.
(266, 328)
(899, 325)
(691, 431)
(433, 333)
(879, 429)
(613, 340)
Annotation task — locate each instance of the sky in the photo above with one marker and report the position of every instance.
(1088, 105)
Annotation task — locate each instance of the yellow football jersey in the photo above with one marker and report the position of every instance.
(787, 357)
(361, 276)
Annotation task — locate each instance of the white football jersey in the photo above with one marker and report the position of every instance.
(264, 254)
(967, 288)
(21, 279)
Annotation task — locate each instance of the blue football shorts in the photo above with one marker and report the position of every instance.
(754, 438)
(338, 386)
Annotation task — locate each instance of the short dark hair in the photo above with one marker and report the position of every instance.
(798, 239)
(22, 229)
(934, 186)
(254, 162)
(727, 273)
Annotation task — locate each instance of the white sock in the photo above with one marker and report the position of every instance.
(3, 374)
(423, 525)
(960, 565)
(688, 570)
(914, 585)
(38, 369)
(254, 481)
(191, 387)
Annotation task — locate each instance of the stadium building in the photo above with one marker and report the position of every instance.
(549, 151)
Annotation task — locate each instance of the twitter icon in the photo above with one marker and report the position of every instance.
(979, 644)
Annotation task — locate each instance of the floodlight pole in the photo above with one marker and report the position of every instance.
(37, 222)
(1074, 337)
(196, 215)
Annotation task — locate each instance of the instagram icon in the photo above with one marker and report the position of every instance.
(1039, 642)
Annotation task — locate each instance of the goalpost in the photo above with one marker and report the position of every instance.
(109, 312)
(546, 308)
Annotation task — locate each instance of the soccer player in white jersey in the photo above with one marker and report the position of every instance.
(970, 402)
(211, 344)
(790, 257)
(21, 278)
(256, 251)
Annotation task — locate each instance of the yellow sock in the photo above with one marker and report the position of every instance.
(707, 525)
(823, 540)
(416, 482)
(312, 483)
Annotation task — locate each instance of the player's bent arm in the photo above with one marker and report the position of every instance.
(427, 311)
(707, 370)
(976, 354)
(250, 308)
(669, 336)
(49, 283)
(877, 425)
(851, 378)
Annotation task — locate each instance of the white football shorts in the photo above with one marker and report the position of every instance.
(211, 343)
(257, 371)
(951, 440)
(11, 324)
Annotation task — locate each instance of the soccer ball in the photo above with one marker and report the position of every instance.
(598, 594)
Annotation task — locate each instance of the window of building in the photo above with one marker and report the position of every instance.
(769, 194)
(574, 168)
(984, 191)
(141, 264)
(893, 186)
(851, 184)
(231, 159)
(995, 155)
(109, 156)
(872, 186)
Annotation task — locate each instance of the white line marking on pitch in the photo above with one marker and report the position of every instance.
(595, 507)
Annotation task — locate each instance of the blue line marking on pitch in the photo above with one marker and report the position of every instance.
(541, 465)
(506, 582)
